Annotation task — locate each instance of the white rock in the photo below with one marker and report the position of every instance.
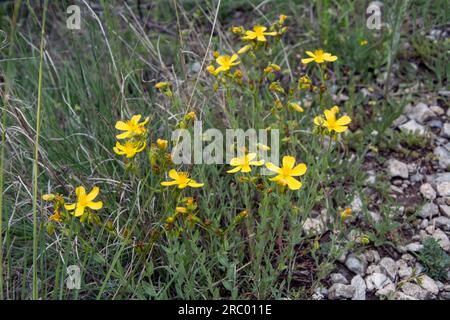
(338, 278)
(413, 127)
(415, 291)
(377, 281)
(400, 120)
(427, 191)
(428, 210)
(443, 188)
(442, 222)
(420, 112)
(428, 284)
(445, 210)
(374, 216)
(372, 256)
(442, 239)
(446, 130)
(397, 169)
(340, 291)
(359, 285)
(409, 259)
(356, 205)
(386, 291)
(196, 66)
(424, 224)
(371, 179)
(402, 296)
(389, 268)
(439, 177)
(437, 110)
(444, 157)
(356, 264)
(314, 226)
(404, 271)
(373, 268)
(413, 247)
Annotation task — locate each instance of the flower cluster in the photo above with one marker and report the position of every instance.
(82, 208)
(134, 134)
(284, 175)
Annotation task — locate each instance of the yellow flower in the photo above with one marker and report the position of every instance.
(319, 56)
(225, 62)
(296, 106)
(243, 163)
(191, 116)
(211, 70)
(170, 220)
(56, 216)
(363, 42)
(276, 87)
(287, 172)
(48, 197)
(282, 18)
(236, 30)
(258, 33)
(162, 144)
(243, 214)
(364, 239)
(330, 122)
(272, 68)
(238, 74)
(130, 148)
(346, 213)
(262, 147)
(189, 201)
(84, 200)
(304, 82)
(182, 180)
(162, 85)
(181, 210)
(244, 49)
(131, 127)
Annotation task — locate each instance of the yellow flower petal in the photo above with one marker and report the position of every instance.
(194, 184)
(257, 163)
(91, 196)
(120, 125)
(344, 120)
(234, 170)
(70, 207)
(272, 167)
(79, 211)
(307, 60)
(293, 183)
(124, 135)
(168, 183)
(288, 162)
(340, 129)
(330, 58)
(330, 115)
(318, 121)
(136, 118)
(173, 174)
(299, 170)
(95, 205)
(80, 191)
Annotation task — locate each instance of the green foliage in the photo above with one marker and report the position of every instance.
(106, 71)
(434, 259)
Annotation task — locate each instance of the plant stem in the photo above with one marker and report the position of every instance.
(36, 155)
